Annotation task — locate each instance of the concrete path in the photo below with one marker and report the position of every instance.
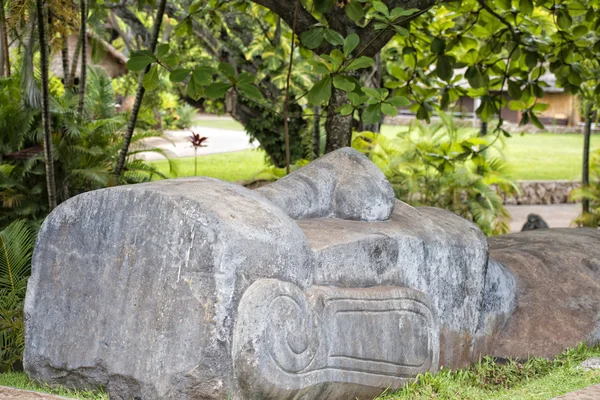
(589, 393)
(7, 393)
(555, 215)
(219, 141)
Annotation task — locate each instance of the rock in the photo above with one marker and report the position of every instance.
(558, 291)
(136, 288)
(591, 364)
(200, 289)
(343, 184)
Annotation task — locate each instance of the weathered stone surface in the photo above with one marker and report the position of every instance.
(330, 342)
(201, 289)
(343, 184)
(557, 274)
(136, 288)
(591, 364)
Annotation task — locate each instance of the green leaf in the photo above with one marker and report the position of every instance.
(373, 93)
(217, 90)
(227, 69)
(179, 75)
(380, 7)
(438, 46)
(514, 90)
(324, 6)
(360, 62)
(139, 60)
(372, 114)
(354, 11)
(541, 107)
(184, 27)
(389, 109)
(350, 43)
(398, 101)
(195, 6)
(250, 91)
(334, 37)
(531, 60)
(171, 60)
(535, 121)
(150, 81)
(474, 76)
(244, 78)
(444, 69)
(312, 38)
(401, 12)
(320, 92)
(346, 109)
(526, 7)
(344, 83)
(203, 75)
(161, 50)
(504, 4)
(564, 22)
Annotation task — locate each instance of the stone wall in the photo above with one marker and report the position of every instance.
(542, 192)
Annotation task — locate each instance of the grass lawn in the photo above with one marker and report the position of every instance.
(225, 123)
(542, 156)
(536, 379)
(236, 166)
(539, 156)
(21, 381)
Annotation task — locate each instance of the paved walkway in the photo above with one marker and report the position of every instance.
(589, 393)
(219, 141)
(555, 215)
(7, 393)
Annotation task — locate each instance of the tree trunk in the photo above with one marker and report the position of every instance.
(585, 176)
(139, 96)
(337, 126)
(316, 134)
(4, 33)
(48, 151)
(83, 71)
(65, 61)
(76, 53)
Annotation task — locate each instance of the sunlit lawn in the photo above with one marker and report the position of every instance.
(543, 156)
(235, 166)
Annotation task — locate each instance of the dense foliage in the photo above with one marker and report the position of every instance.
(85, 150)
(424, 167)
(16, 249)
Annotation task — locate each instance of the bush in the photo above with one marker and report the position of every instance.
(16, 249)
(441, 166)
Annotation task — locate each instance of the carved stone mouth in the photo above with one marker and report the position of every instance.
(328, 334)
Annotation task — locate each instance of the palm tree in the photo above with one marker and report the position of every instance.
(139, 96)
(48, 151)
(83, 72)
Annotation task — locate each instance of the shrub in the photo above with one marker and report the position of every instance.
(441, 166)
(16, 249)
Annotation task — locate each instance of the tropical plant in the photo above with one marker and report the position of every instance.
(591, 193)
(16, 249)
(85, 151)
(443, 166)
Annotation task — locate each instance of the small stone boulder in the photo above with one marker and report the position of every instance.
(342, 184)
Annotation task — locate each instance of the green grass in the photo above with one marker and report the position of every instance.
(224, 123)
(21, 381)
(542, 156)
(235, 166)
(535, 379)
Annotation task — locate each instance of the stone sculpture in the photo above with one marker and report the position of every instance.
(320, 285)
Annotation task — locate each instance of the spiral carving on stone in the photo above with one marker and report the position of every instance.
(293, 339)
